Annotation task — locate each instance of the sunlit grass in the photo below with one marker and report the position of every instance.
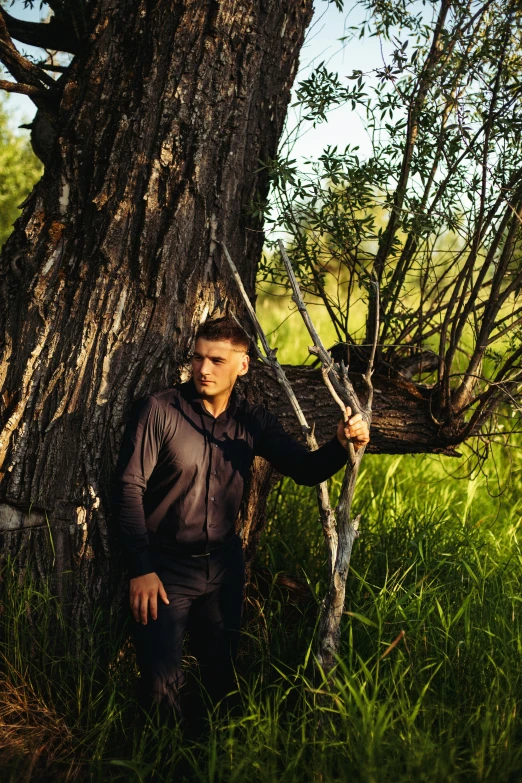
(438, 564)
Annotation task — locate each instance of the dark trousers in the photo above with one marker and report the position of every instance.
(206, 599)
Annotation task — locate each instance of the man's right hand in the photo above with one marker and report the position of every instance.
(144, 596)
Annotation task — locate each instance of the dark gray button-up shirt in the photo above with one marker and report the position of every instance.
(181, 472)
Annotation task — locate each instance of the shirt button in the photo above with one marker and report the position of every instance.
(215, 473)
(212, 498)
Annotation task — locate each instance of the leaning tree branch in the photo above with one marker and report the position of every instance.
(326, 512)
(269, 356)
(343, 388)
(53, 35)
(339, 528)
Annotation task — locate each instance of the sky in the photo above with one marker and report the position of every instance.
(322, 44)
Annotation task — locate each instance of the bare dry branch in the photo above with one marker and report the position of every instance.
(23, 89)
(343, 389)
(25, 72)
(326, 512)
(338, 382)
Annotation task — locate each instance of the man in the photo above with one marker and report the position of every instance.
(185, 456)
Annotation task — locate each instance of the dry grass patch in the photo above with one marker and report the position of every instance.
(32, 735)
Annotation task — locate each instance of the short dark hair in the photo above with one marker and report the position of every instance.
(224, 328)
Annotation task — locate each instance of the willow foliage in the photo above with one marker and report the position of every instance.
(433, 212)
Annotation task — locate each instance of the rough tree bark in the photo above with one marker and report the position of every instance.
(162, 122)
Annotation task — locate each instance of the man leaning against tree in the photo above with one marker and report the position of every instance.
(184, 459)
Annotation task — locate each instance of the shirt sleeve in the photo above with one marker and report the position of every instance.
(293, 459)
(138, 455)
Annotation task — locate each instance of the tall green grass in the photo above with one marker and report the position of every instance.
(438, 567)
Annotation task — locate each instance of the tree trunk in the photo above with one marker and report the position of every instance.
(162, 124)
(402, 422)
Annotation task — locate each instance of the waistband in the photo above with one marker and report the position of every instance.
(158, 544)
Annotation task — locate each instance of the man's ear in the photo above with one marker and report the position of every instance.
(245, 361)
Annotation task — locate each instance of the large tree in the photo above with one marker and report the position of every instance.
(152, 138)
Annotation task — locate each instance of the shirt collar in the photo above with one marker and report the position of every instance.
(191, 393)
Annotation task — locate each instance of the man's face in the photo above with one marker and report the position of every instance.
(216, 365)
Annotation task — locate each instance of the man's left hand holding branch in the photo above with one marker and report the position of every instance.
(355, 429)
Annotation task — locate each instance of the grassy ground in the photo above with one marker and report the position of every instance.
(437, 570)
(438, 560)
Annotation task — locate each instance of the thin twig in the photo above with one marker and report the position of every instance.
(301, 306)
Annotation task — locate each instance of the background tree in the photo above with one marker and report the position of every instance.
(19, 170)
(433, 213)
